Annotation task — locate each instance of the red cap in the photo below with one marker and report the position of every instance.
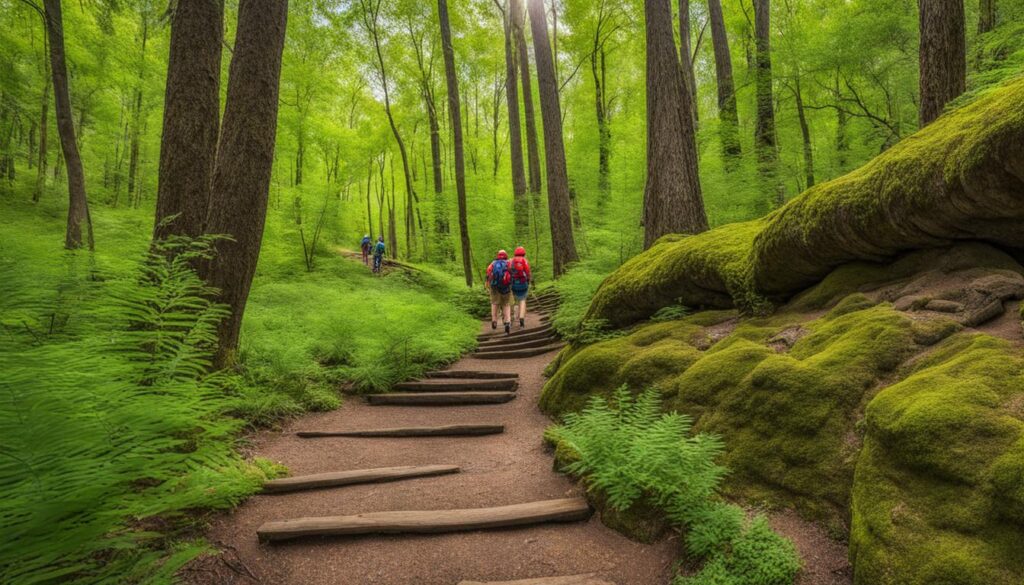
(502, 255)
(520, 251)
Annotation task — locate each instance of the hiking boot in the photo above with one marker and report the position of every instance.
(522, 323)
(494, 325)
(508, 328)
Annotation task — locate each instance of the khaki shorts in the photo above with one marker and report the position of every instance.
(500, 299)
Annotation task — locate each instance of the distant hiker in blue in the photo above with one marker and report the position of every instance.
(499, 286)
(365, 246)
(378, 254)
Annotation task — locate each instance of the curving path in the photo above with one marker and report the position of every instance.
(495, 470)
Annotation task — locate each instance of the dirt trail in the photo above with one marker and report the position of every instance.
(508, 468)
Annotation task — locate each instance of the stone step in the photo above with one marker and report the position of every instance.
(439, 398)
(518, 353)
(440, 385)
(503, 339)
(470, 374)
(588, 579)
(428, 521)
(355, 476)
(513, 344)
(470, 430)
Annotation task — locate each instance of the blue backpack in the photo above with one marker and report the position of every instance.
(501, 278)
(378, 250)
(366, 243)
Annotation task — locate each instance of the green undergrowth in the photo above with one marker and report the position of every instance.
(630, 454)
(856, 414)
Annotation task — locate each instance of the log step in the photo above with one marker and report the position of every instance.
(440, 431)
(355, 476)
(588, 579)
(514, 333)
(517, 338)
(437, 385)
(439, 398)
(470, 374)
(428, 521)
(518, 353)
(513, 344)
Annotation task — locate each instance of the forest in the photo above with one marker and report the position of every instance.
(773, 326)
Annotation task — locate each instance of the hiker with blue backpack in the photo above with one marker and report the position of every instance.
(499, 286)
(521, 280)
(378, 254)
(365, 246)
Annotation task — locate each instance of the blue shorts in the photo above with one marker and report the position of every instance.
(520, 293)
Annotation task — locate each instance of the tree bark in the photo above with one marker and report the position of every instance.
(78, 204)
(455, 114)
(672, 195)
(987, 16)
(686, 55)
(188, 147)
(805, 132)
(532, 147)
(943, 55)
(245, 156)
(133, 156)
(44, 132)
(764, 130)
(727, 114)
(563, 245)
(520, 204)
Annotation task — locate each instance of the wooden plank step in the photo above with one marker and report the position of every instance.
(428, 521)
(514, 333)
(439, 431)
(517, 338)
(517, 353)
(355, 476)
(588, 579)
(514, 344)
(470, 374)
(439, 398)
(437, 385)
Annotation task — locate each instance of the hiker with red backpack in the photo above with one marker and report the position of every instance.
(521, 280)
(499, 286)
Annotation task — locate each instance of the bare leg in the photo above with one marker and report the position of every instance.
(494, 313)
(508, 313)
(522, 309)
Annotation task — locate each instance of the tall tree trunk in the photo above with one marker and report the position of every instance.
(300, 155)
(44, 132)
(520, 203)
(604, 135)
(986, 16)
(672, 195)
(455, 114)
(805, 132)
(245, 157)
(686, 55)
(943, 55)
(563, 245)
(369, 210)
(728, 117)
(188, 147)
(764, 130)
(133, 156)
(78, 204)
(532, 147)
(371, 12)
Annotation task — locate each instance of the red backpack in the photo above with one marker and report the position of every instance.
(519, 271)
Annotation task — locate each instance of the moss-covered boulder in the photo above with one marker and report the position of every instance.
(959, 178)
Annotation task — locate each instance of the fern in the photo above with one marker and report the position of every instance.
(627, 449)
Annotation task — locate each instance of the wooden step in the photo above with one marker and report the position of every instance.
(518, 353)
(513, 344)
(514, 333)
(439, 398)
(438, 385)
(517, 338)
(440, 431)
(470, 374)
(340, 478)
(588, 579)
(427, 521)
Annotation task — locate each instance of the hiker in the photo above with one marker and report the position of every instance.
(521, 280)
(365, 246)
(378, 254)
(499, 286)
